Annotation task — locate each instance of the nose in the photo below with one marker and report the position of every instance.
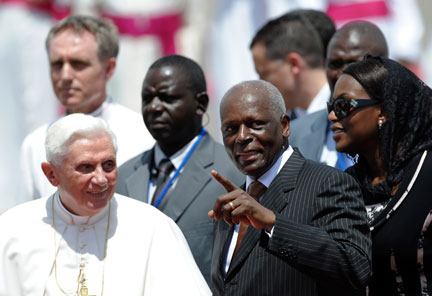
(66, 72)
(99, 178)
(338, 72)
(155, 105)
(243, 134)
(332, 116)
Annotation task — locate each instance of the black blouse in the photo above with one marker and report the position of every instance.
(402, 243)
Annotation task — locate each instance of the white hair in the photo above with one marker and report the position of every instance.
(63, 132)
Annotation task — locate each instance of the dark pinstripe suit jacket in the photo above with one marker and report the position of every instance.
(320, 244)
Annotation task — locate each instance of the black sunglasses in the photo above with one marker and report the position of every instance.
(343, 106)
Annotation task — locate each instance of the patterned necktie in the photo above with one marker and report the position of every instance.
(256, 190)
(164, 170)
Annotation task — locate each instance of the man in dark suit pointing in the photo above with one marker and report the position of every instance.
(304, 231)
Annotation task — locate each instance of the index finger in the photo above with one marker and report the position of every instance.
(224, 181)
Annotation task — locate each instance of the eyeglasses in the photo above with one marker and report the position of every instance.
(343, 106)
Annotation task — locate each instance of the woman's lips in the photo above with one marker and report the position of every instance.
(337, 133)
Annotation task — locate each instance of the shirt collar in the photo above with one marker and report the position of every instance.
(177, 158)
(73, 219)
(268, 177)
(98, 112)
(318, 103)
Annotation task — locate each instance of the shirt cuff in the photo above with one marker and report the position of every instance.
(269, 233)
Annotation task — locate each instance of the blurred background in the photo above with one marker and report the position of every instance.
(215, 33)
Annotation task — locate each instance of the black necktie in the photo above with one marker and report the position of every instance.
(256, 190)
(164, 170)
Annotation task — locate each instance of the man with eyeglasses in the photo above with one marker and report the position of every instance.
(311, 133)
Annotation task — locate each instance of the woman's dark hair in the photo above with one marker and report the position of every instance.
(407, 103)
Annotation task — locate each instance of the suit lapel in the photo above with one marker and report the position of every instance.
(285, 181)
(275, 199)
(225, 232)
(191, 181)
(137, 183)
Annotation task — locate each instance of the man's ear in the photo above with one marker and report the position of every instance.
(110, 66)
(285, 123)
(202, 100)
(296, 62)
(50, 173)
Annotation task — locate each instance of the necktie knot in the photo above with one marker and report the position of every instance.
(164, 170)
(165, 167)
(256, 189)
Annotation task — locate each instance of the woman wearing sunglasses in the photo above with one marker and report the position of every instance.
(382, 116)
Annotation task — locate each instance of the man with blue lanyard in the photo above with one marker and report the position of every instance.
(175, 175)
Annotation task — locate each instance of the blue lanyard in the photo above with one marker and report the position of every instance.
(177, 171)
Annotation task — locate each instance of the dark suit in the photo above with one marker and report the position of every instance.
(193, 196)
(320, 244)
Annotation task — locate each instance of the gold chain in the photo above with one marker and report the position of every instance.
(81, 271)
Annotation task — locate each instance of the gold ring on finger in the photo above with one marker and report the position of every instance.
(232, 205)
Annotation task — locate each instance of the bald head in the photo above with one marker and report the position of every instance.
(255, 128)
(265, 90)
(349, 44)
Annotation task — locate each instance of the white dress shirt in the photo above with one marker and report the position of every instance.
(176, 159)
(318, 103)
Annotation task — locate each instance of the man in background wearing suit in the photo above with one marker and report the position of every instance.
(289, 52)
(175, 175)
(311, 133)
(301, 227)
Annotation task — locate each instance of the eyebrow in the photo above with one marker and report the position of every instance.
(340, 96)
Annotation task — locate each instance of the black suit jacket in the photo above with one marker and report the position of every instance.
(320, 244)
(193, 196)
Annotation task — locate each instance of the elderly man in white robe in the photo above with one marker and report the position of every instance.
(86, 240)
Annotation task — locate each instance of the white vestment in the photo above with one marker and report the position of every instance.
(147, 253)
(128, 126)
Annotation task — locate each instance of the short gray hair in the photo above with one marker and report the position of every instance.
(104, 31)
(63, 132)
(274, 96)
